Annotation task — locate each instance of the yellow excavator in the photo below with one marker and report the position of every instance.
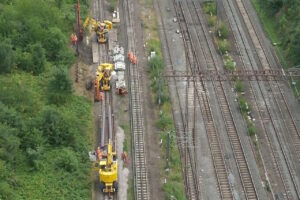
(108, 172)
(100, 28)
(102, 81)
(106, 164)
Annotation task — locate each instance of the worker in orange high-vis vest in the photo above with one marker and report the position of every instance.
(99, 153)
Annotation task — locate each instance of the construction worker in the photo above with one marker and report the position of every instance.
(99, 153)
(134, 60)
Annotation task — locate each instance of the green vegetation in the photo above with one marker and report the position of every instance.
(221, 30)
(45, 130)
(221, 35)
(281, 21)
(210, 8)
(224, 45)
(112, 5)
(174, 186)
(212, 20)
(239, 87)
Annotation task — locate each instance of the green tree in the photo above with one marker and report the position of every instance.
(54, 127)
(60, 86)
(9, 143)
(54, 42)
(10, 117)
(6, 56)
(294, 46)
(38, 58)
(67, 160)
(61, 81)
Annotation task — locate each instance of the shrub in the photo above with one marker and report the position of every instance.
(9, 143)
(67, 160)
(38, 58)
(212, 20)
(243, 105)
(239, 86)
(251, 129)
(54, 43)
(54, 127)
(6, 56)
(165, 122)
(60, 86)
(230, 65)
(222, 30)
(210, 8)
(223, 45)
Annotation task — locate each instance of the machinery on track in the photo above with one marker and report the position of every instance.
(101, 28)
(108, 170)
(102, 81)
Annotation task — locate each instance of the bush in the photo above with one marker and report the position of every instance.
(239, 86)
(165, 122)
(60, 86)
(55, 42)
(222, 30)
(9, 143)
(210, 8)
(230, 65)
(67, 160)
(6, 56)
(154, 45)
(251, 129)
(212, 20)
(243, 105)
(38, 58)
(223, 45)
(54, 127)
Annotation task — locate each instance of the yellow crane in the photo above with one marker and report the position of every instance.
(108, 170)
(100, 28)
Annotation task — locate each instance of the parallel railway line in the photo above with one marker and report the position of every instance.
(184, 128)
(259, 95)
(236, 144)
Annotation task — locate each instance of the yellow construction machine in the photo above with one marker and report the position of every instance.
(102, 81)
(100, 28)
(106, 164)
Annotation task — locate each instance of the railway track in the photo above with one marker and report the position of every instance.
(106, 106)
(141, 188)
(184, 128)
(214, 143)
(280, 157)
(239, 154)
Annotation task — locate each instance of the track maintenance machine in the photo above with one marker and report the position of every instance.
(102, 81)
(106, 164)
(108, 170)
(100, 28)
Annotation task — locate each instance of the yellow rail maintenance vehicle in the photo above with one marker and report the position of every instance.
(104, 76)
(108, 170)
(100, 28)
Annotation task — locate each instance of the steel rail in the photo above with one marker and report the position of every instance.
(275, 154)
(235, 142)
(141, 190)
